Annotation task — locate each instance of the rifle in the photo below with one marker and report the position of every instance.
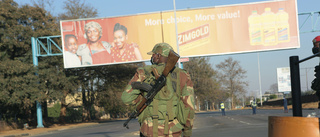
(152, 90)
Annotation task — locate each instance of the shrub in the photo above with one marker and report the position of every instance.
(54, 111)
(273, 96)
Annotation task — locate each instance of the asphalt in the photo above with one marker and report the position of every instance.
(55, 128)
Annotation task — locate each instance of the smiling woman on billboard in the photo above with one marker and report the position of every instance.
(122, 50)
(94, 51)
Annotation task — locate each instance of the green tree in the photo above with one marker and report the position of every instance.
(274, 88)
(20, 87)
(204, 77)
(232, 76)
(44, 4)
(59, 83)
(76, 9)
(113, 81)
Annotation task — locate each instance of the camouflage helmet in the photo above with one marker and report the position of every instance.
(161, 48)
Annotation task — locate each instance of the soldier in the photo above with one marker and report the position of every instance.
(171, 112)
(315, 48)
(316, 82)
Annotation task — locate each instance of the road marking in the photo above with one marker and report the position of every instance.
(136, 133)
(244, 122)
(238, 120)
(62, 129)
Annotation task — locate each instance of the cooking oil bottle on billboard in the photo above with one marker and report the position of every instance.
(269, 27)
(255, 33)
(283, 26)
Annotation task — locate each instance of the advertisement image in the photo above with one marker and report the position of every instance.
(208, 31)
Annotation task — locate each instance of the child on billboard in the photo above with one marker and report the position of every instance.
(71, 58)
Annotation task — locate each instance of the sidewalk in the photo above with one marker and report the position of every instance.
(36, 131)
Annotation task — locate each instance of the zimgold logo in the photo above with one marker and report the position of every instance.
(193, 34)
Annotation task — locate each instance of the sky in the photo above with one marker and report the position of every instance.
(269, 61)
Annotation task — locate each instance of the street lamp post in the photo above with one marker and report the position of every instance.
(259, 79)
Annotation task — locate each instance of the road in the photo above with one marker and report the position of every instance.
(239, 123)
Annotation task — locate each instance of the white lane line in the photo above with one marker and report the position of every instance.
(244, 122)
(238, 120)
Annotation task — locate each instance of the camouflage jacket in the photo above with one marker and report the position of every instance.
(177, 95)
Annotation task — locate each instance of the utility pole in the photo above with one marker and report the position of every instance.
(259, 80)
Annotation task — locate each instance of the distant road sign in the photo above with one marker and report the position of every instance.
(184, 59)
(284, 80)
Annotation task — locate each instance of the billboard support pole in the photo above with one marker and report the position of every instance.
(37, 47)
(295, 86)
(35, 63)
(176, 26)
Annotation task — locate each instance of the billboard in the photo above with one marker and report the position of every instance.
(284, 79)
(208, 31)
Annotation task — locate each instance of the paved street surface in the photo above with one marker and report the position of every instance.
(236, 123)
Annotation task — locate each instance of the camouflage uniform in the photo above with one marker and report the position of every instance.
(172, 109)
